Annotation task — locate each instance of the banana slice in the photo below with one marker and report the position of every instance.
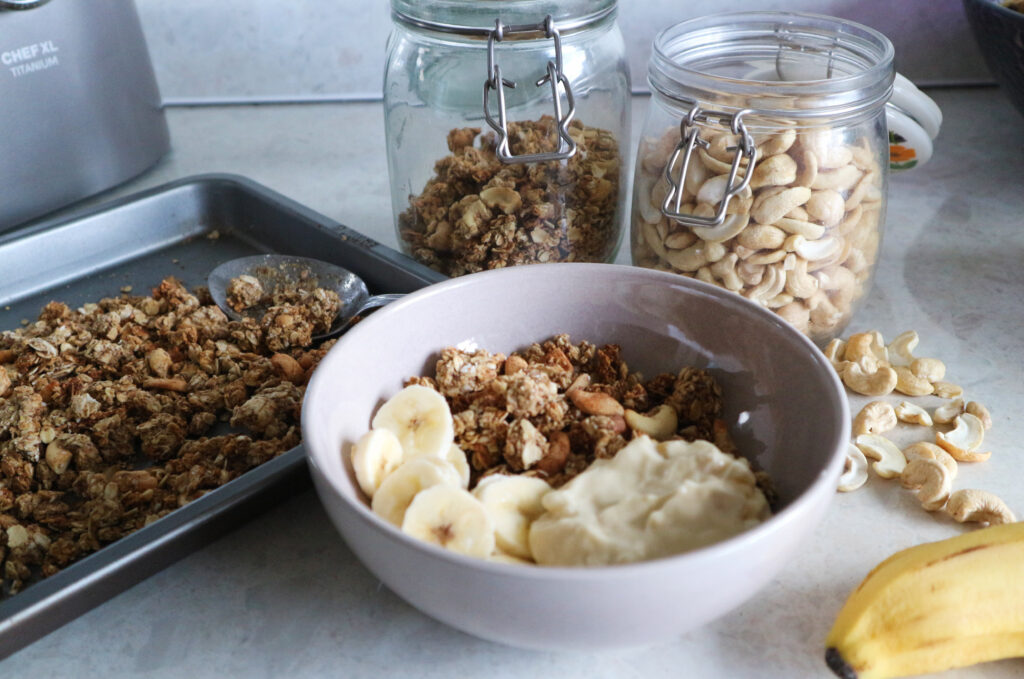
(457, 458)
(400, 487)
(513, 503)
(375, 455)
(452, 518)
(502, 557)
(421, 419)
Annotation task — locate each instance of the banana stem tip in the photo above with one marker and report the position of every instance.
(840, 667)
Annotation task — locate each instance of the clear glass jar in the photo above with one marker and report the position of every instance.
(463, 201)
(801, 99)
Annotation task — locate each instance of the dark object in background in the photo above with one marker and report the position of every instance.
(999, 32)
(80, 111)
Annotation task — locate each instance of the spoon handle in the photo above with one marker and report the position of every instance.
(378, 301)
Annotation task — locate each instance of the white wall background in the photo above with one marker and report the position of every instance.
(212, 51)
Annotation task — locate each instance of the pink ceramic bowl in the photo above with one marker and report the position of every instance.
(784, 404)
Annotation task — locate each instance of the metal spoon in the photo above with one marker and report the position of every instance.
(273, 271)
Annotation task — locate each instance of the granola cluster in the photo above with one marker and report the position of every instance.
(109, 417)
(553, 408)
(294, 309)
(477, 213)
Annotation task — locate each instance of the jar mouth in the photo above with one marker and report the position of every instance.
(778, 64)
(470, 17)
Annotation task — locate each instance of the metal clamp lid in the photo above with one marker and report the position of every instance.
(689, 139)
(554, 76)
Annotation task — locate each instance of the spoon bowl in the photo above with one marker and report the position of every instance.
(275, 271)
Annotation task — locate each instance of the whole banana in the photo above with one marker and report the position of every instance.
(934, 607)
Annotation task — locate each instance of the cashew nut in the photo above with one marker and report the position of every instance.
(866, 344)
(841, 179)
(978, 506)
(769, 257)
(761, 237)
(963, 440)
(948, 389)
(680, 240)
(826, 206)
(931, 369)
(57, 457)
(773, 283)
(807, 169)
(799, 283)
(717, 166)
(653, 240)
(890, 460)
(595, 402)
(733, 225)
(910, 384)
(855, 470)
(902, 347)
(930, 451)
(725, 270)
(796, 314)
(981, 412)
(931, 481)
(696, 175)
(948, 412)
(776, 170)
(800, 227)
(713, 189)
(824, 314)
(689, 259)
(815, 250)
(659, 424)
(777, 143)
(874, 418)
(750, 274)
(835, 351)
(769, 208)
(720, 146)
(911, 413)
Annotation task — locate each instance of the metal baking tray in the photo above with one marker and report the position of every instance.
(183, 229)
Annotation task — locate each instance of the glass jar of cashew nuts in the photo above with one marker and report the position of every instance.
(763, 162)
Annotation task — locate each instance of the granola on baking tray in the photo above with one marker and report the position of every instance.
(108, 416)
(555, 407)
(478, 213)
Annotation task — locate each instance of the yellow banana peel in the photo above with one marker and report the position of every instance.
(933, 607)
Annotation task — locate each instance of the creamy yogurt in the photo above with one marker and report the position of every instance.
(651, 500)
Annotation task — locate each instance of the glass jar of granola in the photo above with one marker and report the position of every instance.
(506, 125)
(764, 159)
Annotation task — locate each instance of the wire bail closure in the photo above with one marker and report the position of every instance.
(554, 76)
(690, 138)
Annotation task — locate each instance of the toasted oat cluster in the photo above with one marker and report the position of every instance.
(477, 213)
(244, 292)
(294, 308)
(553, 408)
(108, 415)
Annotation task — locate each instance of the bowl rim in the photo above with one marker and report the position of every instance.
(719, 550)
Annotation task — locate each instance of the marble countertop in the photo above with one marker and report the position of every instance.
(283, 596)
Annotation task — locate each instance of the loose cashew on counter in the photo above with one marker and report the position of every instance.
(809, 221)
(970, 505)
(855, 470)
(963, 441)
(876, 417)
(889, 459)
(930, 479)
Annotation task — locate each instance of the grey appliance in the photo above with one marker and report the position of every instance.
(80, 111)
